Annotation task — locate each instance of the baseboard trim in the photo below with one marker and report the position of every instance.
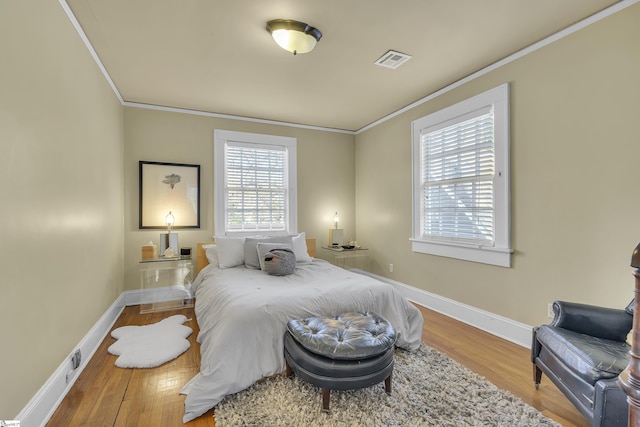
(505, 328)
(44, 403)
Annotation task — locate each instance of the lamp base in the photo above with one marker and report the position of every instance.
(336, 236)
(168, 240)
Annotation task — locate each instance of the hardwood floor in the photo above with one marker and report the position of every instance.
(505, 364)
(105, 395)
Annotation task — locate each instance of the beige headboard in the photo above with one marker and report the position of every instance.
(202, 261)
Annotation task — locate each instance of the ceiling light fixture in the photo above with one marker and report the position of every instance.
(294, 36)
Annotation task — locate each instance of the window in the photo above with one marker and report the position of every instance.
(255, 183)
(461, 180)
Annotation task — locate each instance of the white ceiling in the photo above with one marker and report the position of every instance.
(216, 56)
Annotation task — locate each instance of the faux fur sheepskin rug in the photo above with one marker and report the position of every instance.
(428, 389)
(150, 345)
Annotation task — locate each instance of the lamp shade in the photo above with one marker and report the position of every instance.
(293, 36)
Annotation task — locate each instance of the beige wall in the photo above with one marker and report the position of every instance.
(325, 174)
(69, 219)
(61, 212)
(574, 190)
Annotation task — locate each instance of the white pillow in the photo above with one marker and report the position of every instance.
(230, 251)
(250, 245)
(264, 248)
(299, 246)
(211, 251)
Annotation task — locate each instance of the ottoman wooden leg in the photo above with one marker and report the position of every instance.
(387, 384)
(287, 370)
(326, 395)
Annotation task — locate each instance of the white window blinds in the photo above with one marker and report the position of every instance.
(255, 187)
(458, 166)
(460, 171)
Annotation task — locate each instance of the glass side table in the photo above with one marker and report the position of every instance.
(166, 284)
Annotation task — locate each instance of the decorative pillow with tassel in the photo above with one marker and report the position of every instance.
(279, 262)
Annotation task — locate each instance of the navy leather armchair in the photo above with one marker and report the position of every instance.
(583, 351)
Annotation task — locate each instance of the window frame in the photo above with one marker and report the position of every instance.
(264, 141)
(499, 253)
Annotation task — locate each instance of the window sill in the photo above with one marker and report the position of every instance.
(493, 256)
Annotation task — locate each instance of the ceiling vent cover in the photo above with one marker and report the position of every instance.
(392, 59)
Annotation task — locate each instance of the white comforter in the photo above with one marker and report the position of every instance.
(243, 313)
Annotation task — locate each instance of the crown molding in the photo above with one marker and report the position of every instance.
(89, 46)
(623, 4)
(232, 117)
(513, 57)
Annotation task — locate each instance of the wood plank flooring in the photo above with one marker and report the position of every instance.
(105, 395)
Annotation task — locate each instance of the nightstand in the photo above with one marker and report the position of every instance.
(166, 284)
(346, 258)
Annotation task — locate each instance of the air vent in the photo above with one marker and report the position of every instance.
(393, 59)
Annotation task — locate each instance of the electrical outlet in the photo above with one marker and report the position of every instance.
(550, 310)
(390, 268)
(76, 357)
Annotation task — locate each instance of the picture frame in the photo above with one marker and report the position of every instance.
(169, 187)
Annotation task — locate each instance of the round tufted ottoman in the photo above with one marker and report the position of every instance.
(344, 352)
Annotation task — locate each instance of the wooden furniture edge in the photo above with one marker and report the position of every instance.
(202, 261)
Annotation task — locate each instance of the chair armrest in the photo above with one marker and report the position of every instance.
(602, 322)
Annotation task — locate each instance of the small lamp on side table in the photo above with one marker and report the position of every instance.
(169, 240)
(336, 235)
(629, 379)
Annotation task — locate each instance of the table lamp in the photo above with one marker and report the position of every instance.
(169, 239)
(336, 235)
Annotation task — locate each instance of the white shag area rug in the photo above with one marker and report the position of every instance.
(428, 389)
(150, 345)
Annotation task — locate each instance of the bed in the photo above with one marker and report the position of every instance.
(242, 313)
